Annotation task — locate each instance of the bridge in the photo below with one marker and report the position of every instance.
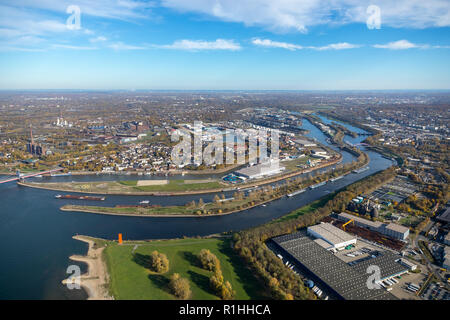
(20, 176)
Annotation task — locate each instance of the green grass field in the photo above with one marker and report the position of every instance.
(306, 209)
(130, 277)
(179, 185)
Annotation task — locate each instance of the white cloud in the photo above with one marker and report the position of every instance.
(113, 9)
(275, 44)
(71, 47)
(337, 46)
(123, 46)
(299, 15)
(400, 45)
(98, 39)
(290, 46)
(195, 45)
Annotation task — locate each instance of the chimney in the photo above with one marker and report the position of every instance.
(31, 135)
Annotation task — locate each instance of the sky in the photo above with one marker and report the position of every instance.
(225, 44)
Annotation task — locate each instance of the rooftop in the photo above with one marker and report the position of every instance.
(331, 234)
(397, 227)
(345, 280)
(373, 224)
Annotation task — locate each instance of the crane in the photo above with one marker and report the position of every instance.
(351, 220)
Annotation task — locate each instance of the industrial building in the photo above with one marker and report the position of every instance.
(332, 238)
(35, 148)
(346, 281)
(259, 170)
(392, 230)
(305, 143)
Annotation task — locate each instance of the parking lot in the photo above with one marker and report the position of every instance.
(435, 292)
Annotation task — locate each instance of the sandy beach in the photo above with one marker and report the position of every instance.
(95, 281)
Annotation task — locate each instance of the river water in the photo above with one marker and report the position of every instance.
(36, 237)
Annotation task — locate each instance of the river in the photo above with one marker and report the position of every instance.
(36, 237)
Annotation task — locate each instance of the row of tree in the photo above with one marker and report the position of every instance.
(210, 262)
(250, 244)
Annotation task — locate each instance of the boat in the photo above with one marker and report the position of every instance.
(296, 192)
(72, 197)
(361, 170)
(61, 174)
(318, 185)
(144, 202)
(337, 178)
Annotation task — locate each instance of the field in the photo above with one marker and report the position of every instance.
(309, 208)
(131, 279)
(175, 185)
(130, 187)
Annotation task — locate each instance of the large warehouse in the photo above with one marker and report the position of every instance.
(335, 238)
(259, 170)
(345, 281)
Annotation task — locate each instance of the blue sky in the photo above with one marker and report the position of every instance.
(225, 44)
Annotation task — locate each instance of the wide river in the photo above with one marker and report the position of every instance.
(36, 237)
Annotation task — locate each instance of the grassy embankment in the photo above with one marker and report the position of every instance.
(175, 185)
(129, 187)
(131, 278)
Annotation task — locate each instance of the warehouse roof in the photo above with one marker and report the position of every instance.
(373, 224)
(322, 243)
(397, 227)
(345, 280)
(331, 234)
(259, 169)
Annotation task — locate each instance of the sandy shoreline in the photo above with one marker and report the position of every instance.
(96, 280)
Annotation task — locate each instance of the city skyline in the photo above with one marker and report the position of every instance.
(174, 45)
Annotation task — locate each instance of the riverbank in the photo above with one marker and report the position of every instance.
(132, 278)
(208, 210)
(68, 187)
(96, 280)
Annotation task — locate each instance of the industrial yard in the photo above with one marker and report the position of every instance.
(337, 264)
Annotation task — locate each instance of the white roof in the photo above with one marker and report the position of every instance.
(331, 234)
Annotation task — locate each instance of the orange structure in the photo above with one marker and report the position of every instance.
(120, 238)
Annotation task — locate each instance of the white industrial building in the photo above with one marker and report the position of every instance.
(305, 143)
(330, 237)
(259, 170)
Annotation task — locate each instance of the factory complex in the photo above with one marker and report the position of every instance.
(393, 230)
(339, 262)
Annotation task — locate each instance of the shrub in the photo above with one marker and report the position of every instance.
(159, 262)
(179, 286)
(208, 260)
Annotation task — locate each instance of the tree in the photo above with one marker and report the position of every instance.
(208, 260)
(227, 292)
(216, 281)
(179, 286)
(159, 262)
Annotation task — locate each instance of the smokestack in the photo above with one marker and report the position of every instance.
(31, 135)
